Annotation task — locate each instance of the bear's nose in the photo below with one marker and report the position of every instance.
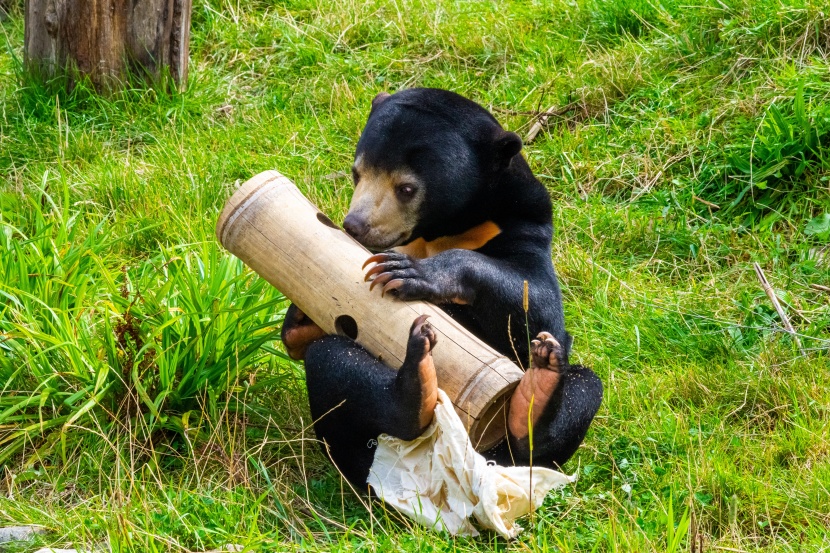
(355, 226)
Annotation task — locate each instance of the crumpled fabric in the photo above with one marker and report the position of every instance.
(440, 481)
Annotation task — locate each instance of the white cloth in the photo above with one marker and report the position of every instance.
(440, 481)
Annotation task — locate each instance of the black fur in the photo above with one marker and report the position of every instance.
(473, 173)
(372, 399)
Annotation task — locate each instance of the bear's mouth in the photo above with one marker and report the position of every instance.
(377, 244)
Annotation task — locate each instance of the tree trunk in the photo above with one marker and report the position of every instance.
(108, 40)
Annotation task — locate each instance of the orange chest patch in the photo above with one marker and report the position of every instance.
(471, 239)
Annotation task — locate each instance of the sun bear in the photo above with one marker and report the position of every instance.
(456, 217)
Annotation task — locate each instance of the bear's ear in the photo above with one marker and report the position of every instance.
(379, 99)
(505, 147)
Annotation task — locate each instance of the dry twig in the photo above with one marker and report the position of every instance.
(708, 204)
(542, 119)
(777, 305)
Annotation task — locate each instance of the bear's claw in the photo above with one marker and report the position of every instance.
(392, 287)
(377, 258)
(400, 275)
(382, 278)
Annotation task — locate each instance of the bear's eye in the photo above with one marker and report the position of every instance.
(355, 176)
(405, 192)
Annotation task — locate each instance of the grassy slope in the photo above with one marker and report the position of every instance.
(710, 411)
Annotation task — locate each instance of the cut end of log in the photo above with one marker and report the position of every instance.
(242, 198)
(490, 429)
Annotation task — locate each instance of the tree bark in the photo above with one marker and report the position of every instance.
(108, 40)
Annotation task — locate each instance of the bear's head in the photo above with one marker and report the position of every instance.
(426, 165)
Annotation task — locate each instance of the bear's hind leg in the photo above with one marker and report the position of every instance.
(354, 397)
(558, 400)
(416, 385)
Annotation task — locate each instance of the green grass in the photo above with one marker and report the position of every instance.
(145, 402)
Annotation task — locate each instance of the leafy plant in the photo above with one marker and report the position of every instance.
(819, 227)
(85, 339)
(787, 144)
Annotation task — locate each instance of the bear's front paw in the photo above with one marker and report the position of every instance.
(400, 275)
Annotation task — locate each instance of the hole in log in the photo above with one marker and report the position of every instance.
(326, 221)
(346, 326)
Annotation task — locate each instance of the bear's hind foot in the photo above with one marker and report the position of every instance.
(298, 331)
(547, 353)
(422, 339)
(537, 386)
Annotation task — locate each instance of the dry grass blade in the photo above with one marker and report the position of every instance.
(777, 305)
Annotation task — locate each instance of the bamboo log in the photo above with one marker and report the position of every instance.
(276, 231)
